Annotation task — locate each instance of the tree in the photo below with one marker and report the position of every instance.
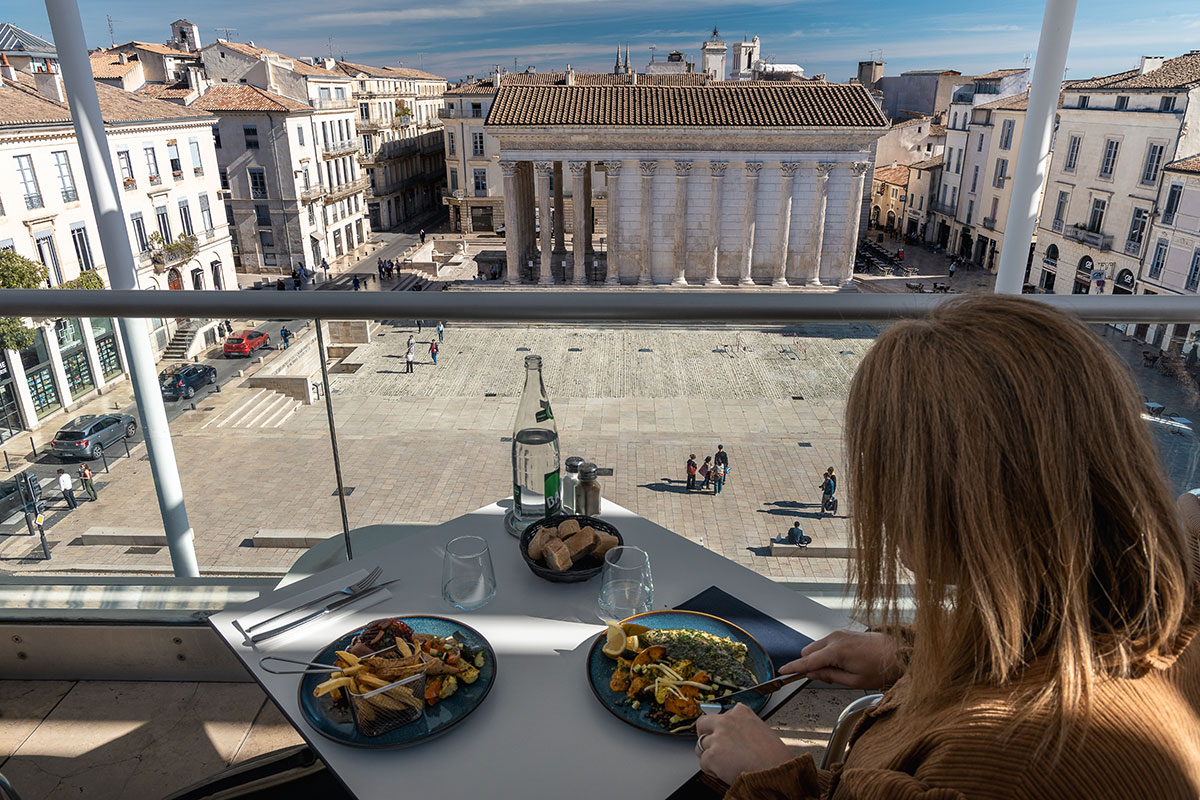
(18, 272)
(184, 248)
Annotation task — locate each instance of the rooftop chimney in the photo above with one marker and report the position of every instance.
(7, 70)
(122, 58)
(570, 76)
(49, 84)
(1150, 63)
(633, 79)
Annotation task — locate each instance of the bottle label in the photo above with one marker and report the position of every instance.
(517, 499)
(544, 413)
(553, 498)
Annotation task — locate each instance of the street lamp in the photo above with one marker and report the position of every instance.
(461, 196)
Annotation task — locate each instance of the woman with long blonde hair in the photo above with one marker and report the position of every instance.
(998, 463)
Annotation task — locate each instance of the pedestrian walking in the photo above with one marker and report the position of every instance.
(408, 359)
(420, 324)
(705, 472)
(828, 490)
(357, 283)
(722, 458)
(412, 342)
(441, 329)
(422, 235)
(718, 476)
(433, 351)
(280, 285)
(691, 472)
(228, 328)
(297, 280)
(68, 490)
(380, 268)
(953, 269)
(325, 266)
(285, 336)
(85, 478)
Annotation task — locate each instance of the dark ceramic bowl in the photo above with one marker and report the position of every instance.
(582, 570)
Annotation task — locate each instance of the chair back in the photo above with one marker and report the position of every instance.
(847, 721)
(7, 792)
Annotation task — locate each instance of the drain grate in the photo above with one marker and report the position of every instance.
(142, 551)
(604, 471)
(506, 438)
(645, 350)
(522, 349)
(797, 397)
(720, 350)
(804, 444)
(788, 351)
(845, 352)
(489, 394)
(574, 349)
(346, 490)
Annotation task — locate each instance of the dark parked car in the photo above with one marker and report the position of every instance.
(243, 343)
(182, 380)
(87, 436)
(11, 500)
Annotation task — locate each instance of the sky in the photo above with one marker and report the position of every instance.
(468, 37)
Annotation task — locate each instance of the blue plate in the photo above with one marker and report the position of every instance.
(335, 723)
(600, 667)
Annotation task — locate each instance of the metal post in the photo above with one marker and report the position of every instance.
(80, 88)
(1033, 161)
(104, 458)
(337, 461)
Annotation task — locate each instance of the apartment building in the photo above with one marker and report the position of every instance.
(1171, 258)
(923, 178)
(1114, 135)
(400, 127)
(949, 211)
(288, 148)
(889, 194)
(165, 162)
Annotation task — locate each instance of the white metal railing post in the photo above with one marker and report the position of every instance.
(80, 89)
(1033, 161)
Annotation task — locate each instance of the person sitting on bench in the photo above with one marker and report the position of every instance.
(796, 536)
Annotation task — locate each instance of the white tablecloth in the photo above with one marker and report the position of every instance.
(540, 732)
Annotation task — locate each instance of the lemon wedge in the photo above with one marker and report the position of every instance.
(615, 644)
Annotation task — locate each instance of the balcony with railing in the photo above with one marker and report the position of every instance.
(339, 149)
(1057, 226)
(69, 195)
(346, 189)
(332, 103)
(943, 208)
(1133, 247)
(1093, 239)
(989, 223)
(313, 193)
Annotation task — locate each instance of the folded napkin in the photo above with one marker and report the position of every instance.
(783, 644)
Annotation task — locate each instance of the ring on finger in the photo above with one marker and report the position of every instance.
(700, 744)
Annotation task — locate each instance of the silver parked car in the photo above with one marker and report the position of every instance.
(87, 436)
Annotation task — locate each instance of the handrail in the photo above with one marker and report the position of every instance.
(698, 305)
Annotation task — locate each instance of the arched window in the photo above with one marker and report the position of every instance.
(1052, 253)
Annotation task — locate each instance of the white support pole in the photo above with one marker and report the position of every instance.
(1033, 161)
(80, 89)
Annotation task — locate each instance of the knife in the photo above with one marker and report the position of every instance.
(719, 704)
(320, 612)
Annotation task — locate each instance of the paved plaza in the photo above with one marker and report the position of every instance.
(426, 447)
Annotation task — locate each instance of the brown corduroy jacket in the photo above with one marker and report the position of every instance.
(1143, 742)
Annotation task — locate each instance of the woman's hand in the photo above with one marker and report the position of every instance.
(736, 742)
(854, 659)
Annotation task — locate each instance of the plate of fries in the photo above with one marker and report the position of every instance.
(390, 690)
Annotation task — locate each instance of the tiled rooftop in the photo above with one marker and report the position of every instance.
(402, 73)
(20, 104)
(300, 67)
(1182, 72)
(896, 174)
(161, 49)
(166, 91)
(487, 85)
(1191, 165)
(107, 64)
(928, 163)
(243, 97)
(997, 74)
(753, 105)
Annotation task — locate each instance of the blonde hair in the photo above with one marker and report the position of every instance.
(998, 459)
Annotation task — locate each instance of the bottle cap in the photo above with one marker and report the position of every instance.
(533, 362)
(573, 463)
(587, 471)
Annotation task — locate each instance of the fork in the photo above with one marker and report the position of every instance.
(352, 589)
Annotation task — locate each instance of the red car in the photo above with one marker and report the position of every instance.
(243, 343)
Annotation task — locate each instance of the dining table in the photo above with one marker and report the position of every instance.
(540, 731)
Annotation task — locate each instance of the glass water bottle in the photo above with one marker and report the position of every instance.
(534, 452)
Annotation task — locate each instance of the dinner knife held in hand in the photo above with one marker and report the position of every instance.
(765, 689)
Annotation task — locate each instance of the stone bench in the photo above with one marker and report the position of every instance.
(274, 537)
(778, 549)
(129, 537)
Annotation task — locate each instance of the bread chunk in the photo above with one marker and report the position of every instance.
(606, 542)
(581, 544)
(537, 544)
(567, 528)
(557, 556)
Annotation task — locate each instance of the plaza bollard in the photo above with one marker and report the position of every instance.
(7, 465)
(33, 447)
(126, 443)
(104, 458)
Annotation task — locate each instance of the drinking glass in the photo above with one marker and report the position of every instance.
(468, 580)
(626, 587)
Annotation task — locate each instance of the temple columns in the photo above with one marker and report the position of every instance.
(580, 198)
(787, 184)
(646, 222)
(749, 219)
(683, 170)
(544, 169)
(715, 211)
